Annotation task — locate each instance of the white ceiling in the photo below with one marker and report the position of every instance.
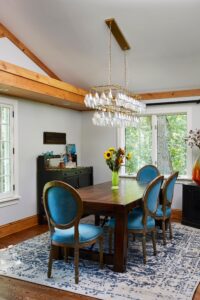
(71, 38)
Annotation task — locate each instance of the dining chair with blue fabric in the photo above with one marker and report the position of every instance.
(147, 173)
(143, 222)
(64, 208)
(163, 212)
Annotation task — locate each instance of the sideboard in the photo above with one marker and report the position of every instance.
(191, 205)
(77, 177)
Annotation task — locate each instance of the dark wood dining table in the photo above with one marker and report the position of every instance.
(100, 199)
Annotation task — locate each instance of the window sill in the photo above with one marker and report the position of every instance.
(9, 201)
(180, 180)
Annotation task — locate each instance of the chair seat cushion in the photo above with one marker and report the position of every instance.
(135, 222)
(87, 233)
(159, 212)
(137, 210)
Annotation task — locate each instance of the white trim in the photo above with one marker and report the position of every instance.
(9, 201)
(14, 195)
(167, 109)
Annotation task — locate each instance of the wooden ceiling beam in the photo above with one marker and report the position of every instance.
(169, 94)
(4, 32)
(1, 32)
(19, 82)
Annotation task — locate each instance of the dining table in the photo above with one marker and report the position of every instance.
(102, 200)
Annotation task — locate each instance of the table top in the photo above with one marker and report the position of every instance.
(129, 191)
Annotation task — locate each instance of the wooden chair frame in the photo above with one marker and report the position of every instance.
(165, 203)
(75, 222)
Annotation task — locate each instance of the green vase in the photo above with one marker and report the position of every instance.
(115, 180)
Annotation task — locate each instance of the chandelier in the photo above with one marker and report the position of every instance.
(114, 105)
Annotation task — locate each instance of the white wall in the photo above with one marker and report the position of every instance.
(10, 53)
(97, 139)
(33, 120)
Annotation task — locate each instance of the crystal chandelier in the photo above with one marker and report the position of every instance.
(114, 105)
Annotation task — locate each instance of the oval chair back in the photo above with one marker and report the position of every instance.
(62, 204)
(168, 190)
(163, 214)
(147, 173)
(151, 197)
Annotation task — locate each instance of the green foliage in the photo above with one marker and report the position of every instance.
(139, 142)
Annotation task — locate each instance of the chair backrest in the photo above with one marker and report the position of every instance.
(147, 173)
(168, 190)
(62, 204)
(151, 197)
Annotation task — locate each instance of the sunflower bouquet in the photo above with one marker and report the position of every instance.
(115, 158)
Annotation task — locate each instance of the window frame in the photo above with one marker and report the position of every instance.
(161, 110)
(13, 196)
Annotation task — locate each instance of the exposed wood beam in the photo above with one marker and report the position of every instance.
(1, 33)
(19, 82)
(169, 94)
(6, 33)
(22, 72)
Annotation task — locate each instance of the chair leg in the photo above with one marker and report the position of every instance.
(50, 262)
(101, 252)
(170, 229)
(153, 234)
(76, 262)
(110, 240)
(163, 231)
(66, 254)
(133, 237)
(144, 248)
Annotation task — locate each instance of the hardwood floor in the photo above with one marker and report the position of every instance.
(13, 289)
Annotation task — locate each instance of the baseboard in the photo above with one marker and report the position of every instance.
(29, 222)
(176, 215)
(17, 226)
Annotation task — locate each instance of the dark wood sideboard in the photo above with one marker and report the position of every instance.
(191, 205)
(77, 177)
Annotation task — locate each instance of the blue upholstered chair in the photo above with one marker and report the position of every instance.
(163, 212)
(64, 208)
(143, 221)
(147, 173)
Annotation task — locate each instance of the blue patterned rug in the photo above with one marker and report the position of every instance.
(173, 274)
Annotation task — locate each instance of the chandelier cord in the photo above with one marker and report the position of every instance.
(109, 57)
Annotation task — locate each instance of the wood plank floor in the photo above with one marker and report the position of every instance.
(13, 289)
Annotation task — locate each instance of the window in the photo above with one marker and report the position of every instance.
(7, 149)
(158, 140)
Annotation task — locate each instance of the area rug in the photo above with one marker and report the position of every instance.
(173, 274)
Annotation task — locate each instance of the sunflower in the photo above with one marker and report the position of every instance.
(107, 155)
(129, 156)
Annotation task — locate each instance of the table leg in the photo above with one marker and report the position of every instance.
(120, 242)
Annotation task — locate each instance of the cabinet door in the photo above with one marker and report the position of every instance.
(84, 180)
(72, 180)
(191, 203)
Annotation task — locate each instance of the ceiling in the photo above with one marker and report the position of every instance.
(71, 38)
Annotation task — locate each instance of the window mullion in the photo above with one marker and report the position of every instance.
(154, 140)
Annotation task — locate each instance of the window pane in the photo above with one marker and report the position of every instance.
(138, 141)
(5, 132)
(5, 115)
(6, 160)
(171, 148)
(4, 150)
(5, 184)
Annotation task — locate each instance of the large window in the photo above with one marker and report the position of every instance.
(158, 140)
(7, 161)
